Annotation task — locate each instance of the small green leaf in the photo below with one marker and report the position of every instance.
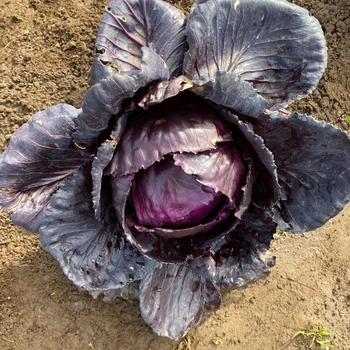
(316, 336)
(281, 233)
(348, 119)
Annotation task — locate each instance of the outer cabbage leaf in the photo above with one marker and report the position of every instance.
(274, 45)
(159, 92)
(241, 257)
(127, 26)
(93, 254)
(266, 187)
(27, 208)
(172, 298)
(230, 90)
(40, 156)
(106, 98)
(313, 162)
(103, 157)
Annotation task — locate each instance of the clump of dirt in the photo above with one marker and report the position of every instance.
(46, 53)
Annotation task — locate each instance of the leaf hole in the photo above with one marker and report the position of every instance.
(194, 286)
(122, 18)
(100, 51)
(110, 64)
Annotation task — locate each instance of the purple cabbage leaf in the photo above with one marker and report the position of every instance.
(273, 46)
(174, 175)
(106, 98)
(128, 26)
(312, 159)
(241, 257)
(40, 156)
(93, 253)
(172, 298)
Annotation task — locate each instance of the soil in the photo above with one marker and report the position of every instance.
(46, 51)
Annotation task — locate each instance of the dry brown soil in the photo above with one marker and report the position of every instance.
(46, 49)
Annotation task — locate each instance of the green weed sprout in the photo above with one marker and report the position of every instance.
(317, 336)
